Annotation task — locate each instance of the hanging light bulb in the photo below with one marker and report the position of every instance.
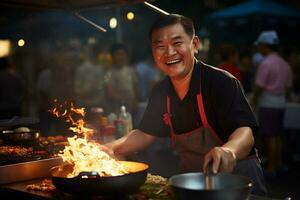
(21, 42)
(130, 16)
(113, 23)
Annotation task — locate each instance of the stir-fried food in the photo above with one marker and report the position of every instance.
(17, 154)
(45, 186)
(14, 150)
(156, 188)
(156, 179)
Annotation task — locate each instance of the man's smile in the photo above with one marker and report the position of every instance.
(174, 61)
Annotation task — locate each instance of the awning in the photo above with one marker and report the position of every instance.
(66, 4)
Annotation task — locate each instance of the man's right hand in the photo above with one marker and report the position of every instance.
(132, 142)
(107, 150)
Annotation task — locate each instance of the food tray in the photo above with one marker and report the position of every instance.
(27, 170)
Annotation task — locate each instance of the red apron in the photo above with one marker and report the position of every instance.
(192, 147)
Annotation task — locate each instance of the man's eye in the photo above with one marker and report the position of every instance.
(160, 47)
(177, 43)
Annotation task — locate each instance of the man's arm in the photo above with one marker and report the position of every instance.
(237, 147)
(134, 141)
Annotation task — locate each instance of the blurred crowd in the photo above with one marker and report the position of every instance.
(92, 77)
(85, 75)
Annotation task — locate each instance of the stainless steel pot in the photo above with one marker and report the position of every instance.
(222, 186)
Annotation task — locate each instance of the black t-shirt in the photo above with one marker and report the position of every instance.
(225, 105)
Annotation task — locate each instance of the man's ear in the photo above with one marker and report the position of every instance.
(196, 43)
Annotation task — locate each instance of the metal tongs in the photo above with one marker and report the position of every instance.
(209, 177)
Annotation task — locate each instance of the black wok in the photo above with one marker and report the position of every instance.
(95, 185)
(223, 186)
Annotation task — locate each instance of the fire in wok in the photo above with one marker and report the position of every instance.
(92, 183)
(88, 168)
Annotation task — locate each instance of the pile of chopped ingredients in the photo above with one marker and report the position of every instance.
(155, 188)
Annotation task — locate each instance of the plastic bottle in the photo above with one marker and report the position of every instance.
(126, 119)
(94, 115)
(112, 118)
(108, 132)
(119, 128)
(103, 122)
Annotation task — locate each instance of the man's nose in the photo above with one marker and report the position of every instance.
(170, 50)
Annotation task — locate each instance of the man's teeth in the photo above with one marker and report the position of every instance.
(173, 61)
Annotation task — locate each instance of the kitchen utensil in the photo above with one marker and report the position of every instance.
(92, 183)
(12, 137)
(220, 186)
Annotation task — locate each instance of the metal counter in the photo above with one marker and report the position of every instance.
(27, 170)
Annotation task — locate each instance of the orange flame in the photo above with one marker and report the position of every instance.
(83, 154)
(78, 125)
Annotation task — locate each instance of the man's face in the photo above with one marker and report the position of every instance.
(173, 50)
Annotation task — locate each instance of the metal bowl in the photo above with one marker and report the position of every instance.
(223, 186)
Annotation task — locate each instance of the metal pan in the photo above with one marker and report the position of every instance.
(222, 186)
(92, 184)
(20, 137)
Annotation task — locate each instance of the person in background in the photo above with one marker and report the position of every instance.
(230, 57)
(293, 58)
(89, 81)
(256, 59)
(55, 83)
(147, 76)
(121, 83)
(12, 90)
(201, 108)
(272, 82)
(247, 72)
(44, 98)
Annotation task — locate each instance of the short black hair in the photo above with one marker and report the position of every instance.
(167, 20)
(117, 46)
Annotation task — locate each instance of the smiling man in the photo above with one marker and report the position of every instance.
(202, 109)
